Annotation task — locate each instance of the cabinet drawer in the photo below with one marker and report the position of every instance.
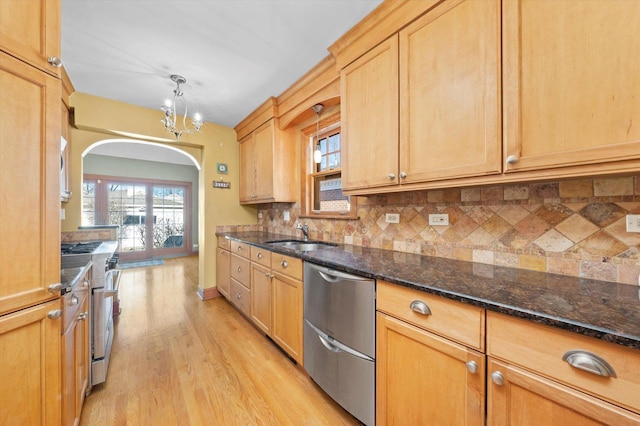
(240, 270)
(241, 249)
(454, 320)
(241, 297)
(261, 256)
(72, 303)
(286, 265)
(541, 348)
(224, 243)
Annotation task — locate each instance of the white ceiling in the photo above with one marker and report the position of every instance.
(233, 53)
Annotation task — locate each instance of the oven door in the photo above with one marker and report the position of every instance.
(103, 325)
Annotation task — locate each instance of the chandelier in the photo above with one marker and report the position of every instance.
(170, 112)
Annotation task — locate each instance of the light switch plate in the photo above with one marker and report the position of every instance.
(633, 223)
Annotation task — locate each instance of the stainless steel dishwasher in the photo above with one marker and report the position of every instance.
(339, 337)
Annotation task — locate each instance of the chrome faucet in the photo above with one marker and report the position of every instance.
(305, 230)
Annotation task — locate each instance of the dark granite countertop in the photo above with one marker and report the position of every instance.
(603, 310)
(69, 275)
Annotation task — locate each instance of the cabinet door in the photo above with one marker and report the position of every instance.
(261, 297)
(247, 170)
(83, 354)
(571, 82)
(369, 89)
(223, 272)
(29, 178)
(422, 378)
(450, 93)
(518, 397)
(30, 30)
(287, 315)
(264, 137)
(30, 359)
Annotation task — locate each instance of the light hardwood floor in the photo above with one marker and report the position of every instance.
(178, 360)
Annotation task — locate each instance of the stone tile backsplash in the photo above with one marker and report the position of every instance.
(574, 227)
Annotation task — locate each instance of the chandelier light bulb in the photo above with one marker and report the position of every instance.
(197, 117)
(168, 103)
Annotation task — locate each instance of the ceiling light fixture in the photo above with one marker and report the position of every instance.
(317, 154)
(170, 112)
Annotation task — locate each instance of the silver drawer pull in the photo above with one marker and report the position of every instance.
(83, 316)
(472, 367)
(239, 269)
(587, 361)
(259, 255)
(75, 300)
(284, 263)
(55, 314)
(420, 307)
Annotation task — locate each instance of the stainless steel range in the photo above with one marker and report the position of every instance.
(105, 279)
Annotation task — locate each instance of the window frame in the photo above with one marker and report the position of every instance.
(309, 136)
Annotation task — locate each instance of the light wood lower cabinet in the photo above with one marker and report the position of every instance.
(223, 272)
(423, 379)
(30, 360)
(287, 314)
(261, 297)
(75, 353)
(519, 397)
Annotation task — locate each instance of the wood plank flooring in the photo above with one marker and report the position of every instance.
(178, 360)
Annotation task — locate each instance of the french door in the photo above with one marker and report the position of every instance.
(153, 217)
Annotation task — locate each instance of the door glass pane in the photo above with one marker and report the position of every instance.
(127, 208)
(168, 208)
(89, 203)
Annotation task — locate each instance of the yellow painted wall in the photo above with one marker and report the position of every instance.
(97, 119)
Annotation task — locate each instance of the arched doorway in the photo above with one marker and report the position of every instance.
(147, 190)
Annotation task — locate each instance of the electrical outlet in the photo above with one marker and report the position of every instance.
(392, 217)
(633, 223)
(439, 219)
(287, 218)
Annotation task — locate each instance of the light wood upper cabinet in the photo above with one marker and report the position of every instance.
(425, 104)
(268, 166)
(30, 213)
(450, 93)
(30, 30)
(369, 88)
(571, 83)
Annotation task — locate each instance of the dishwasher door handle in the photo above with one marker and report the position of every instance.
(334, 346)
(335, 276)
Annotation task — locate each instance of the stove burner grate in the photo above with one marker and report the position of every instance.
(77, 248)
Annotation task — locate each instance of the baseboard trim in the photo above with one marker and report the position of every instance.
(208, 293)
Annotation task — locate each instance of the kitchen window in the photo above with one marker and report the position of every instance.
(324, 195)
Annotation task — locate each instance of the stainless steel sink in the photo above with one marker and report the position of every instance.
(302, 245)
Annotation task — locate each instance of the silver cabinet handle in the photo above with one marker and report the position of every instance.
(86, 282)
(55, 314)
(284, 264)
(472, 367)
(391, 176)
(512, 159)
(239, 295)
(74, 300)
(54, 288)
(83, 316)
(420, 307)
(587, 361)
(259, 255)
(497, 378)
(239, 269)
(239, 248)
(54, 61)
(403, 175)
